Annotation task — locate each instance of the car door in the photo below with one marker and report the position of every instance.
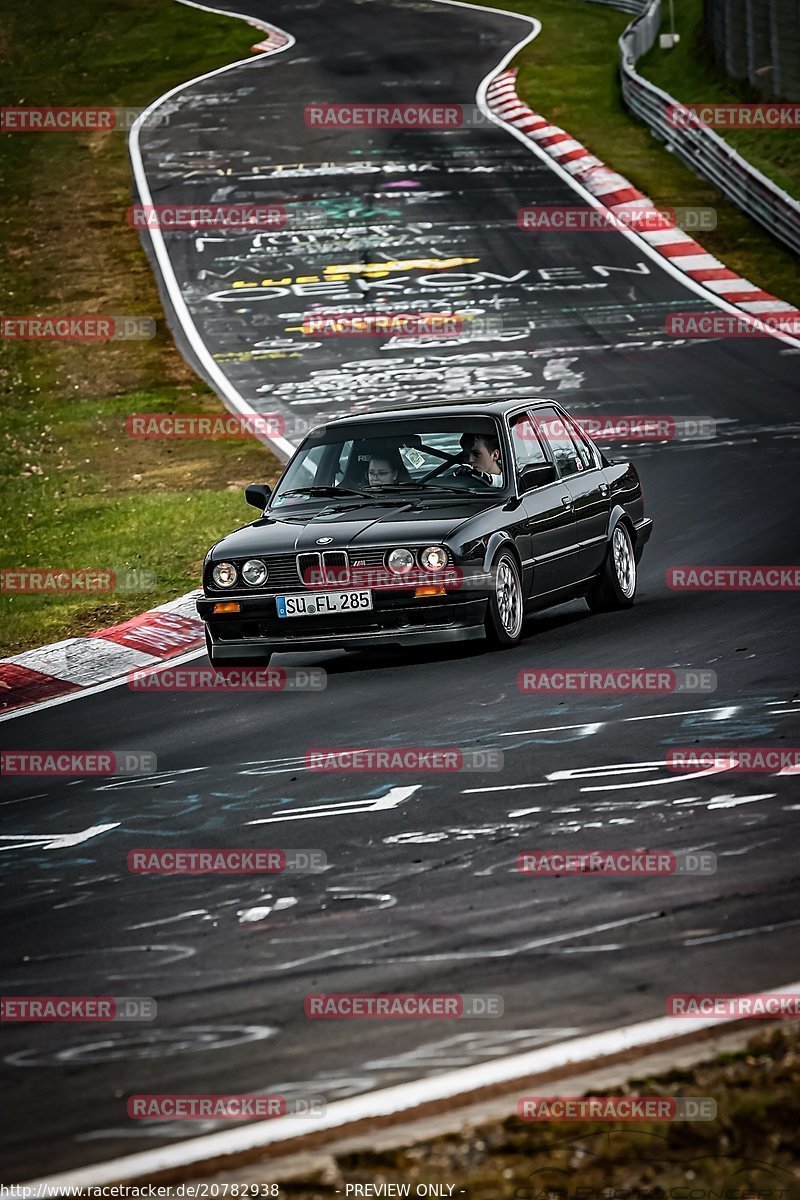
(549, 520)
(581, 470)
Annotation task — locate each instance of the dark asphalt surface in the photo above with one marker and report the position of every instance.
(421, 892)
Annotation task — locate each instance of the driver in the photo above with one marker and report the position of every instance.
(482, 455)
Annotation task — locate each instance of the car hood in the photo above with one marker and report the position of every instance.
(367, 525)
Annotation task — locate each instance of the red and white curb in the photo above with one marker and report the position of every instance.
(83, 662)
(618, 193)
(79, 664)
(276, 40)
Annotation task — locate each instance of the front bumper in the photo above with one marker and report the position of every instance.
(396, 620)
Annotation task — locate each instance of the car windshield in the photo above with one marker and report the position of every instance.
(376, 461)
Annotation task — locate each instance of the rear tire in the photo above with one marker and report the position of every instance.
(616, 587)
(221, 663)
(505, 608)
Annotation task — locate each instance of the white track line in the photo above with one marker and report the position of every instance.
(632, 235)
(226, 389)
(232, 398)
(403, 1098)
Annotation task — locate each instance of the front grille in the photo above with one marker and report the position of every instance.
(290, 572)
(317, 570)
(309, 569)
(286, 571)
(337, 566)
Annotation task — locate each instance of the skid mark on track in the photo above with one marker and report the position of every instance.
(144, 1045)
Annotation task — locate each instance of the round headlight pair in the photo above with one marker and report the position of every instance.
(401, 560)
(433, 558)
(254, 572)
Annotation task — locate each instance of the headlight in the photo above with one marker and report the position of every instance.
(400, 561)
(224, 574)
(433, 558)
(254, 572)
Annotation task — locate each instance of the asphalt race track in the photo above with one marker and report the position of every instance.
(421, 893)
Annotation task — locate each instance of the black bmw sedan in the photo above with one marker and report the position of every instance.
(430, 524)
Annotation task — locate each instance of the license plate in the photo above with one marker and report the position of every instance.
(319, 604)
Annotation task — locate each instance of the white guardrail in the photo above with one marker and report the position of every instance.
(703, 150)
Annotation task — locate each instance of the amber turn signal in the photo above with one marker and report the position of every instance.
(429, 591)
(228, 606)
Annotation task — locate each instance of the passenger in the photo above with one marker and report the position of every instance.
(387, 468)
(482, 455)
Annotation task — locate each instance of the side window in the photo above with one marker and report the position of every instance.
(586, 450)
(527, 448)
(554, 430)
(307, 470)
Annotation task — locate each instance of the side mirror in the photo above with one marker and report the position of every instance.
(537, 475)
(258, 494)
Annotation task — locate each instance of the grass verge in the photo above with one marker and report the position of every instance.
(75, 491)
(749, 1152)
(689, 72)
(569, 73)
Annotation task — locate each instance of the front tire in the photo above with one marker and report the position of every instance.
(505, 608)
(616, 587)
(221, 663)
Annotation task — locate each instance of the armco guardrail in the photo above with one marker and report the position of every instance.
(703, 150)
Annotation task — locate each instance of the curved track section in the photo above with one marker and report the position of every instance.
(421, 892)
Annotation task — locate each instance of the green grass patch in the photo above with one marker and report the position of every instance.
(689, 73)
(570, 74)
(748, 1152)
(76, 492)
